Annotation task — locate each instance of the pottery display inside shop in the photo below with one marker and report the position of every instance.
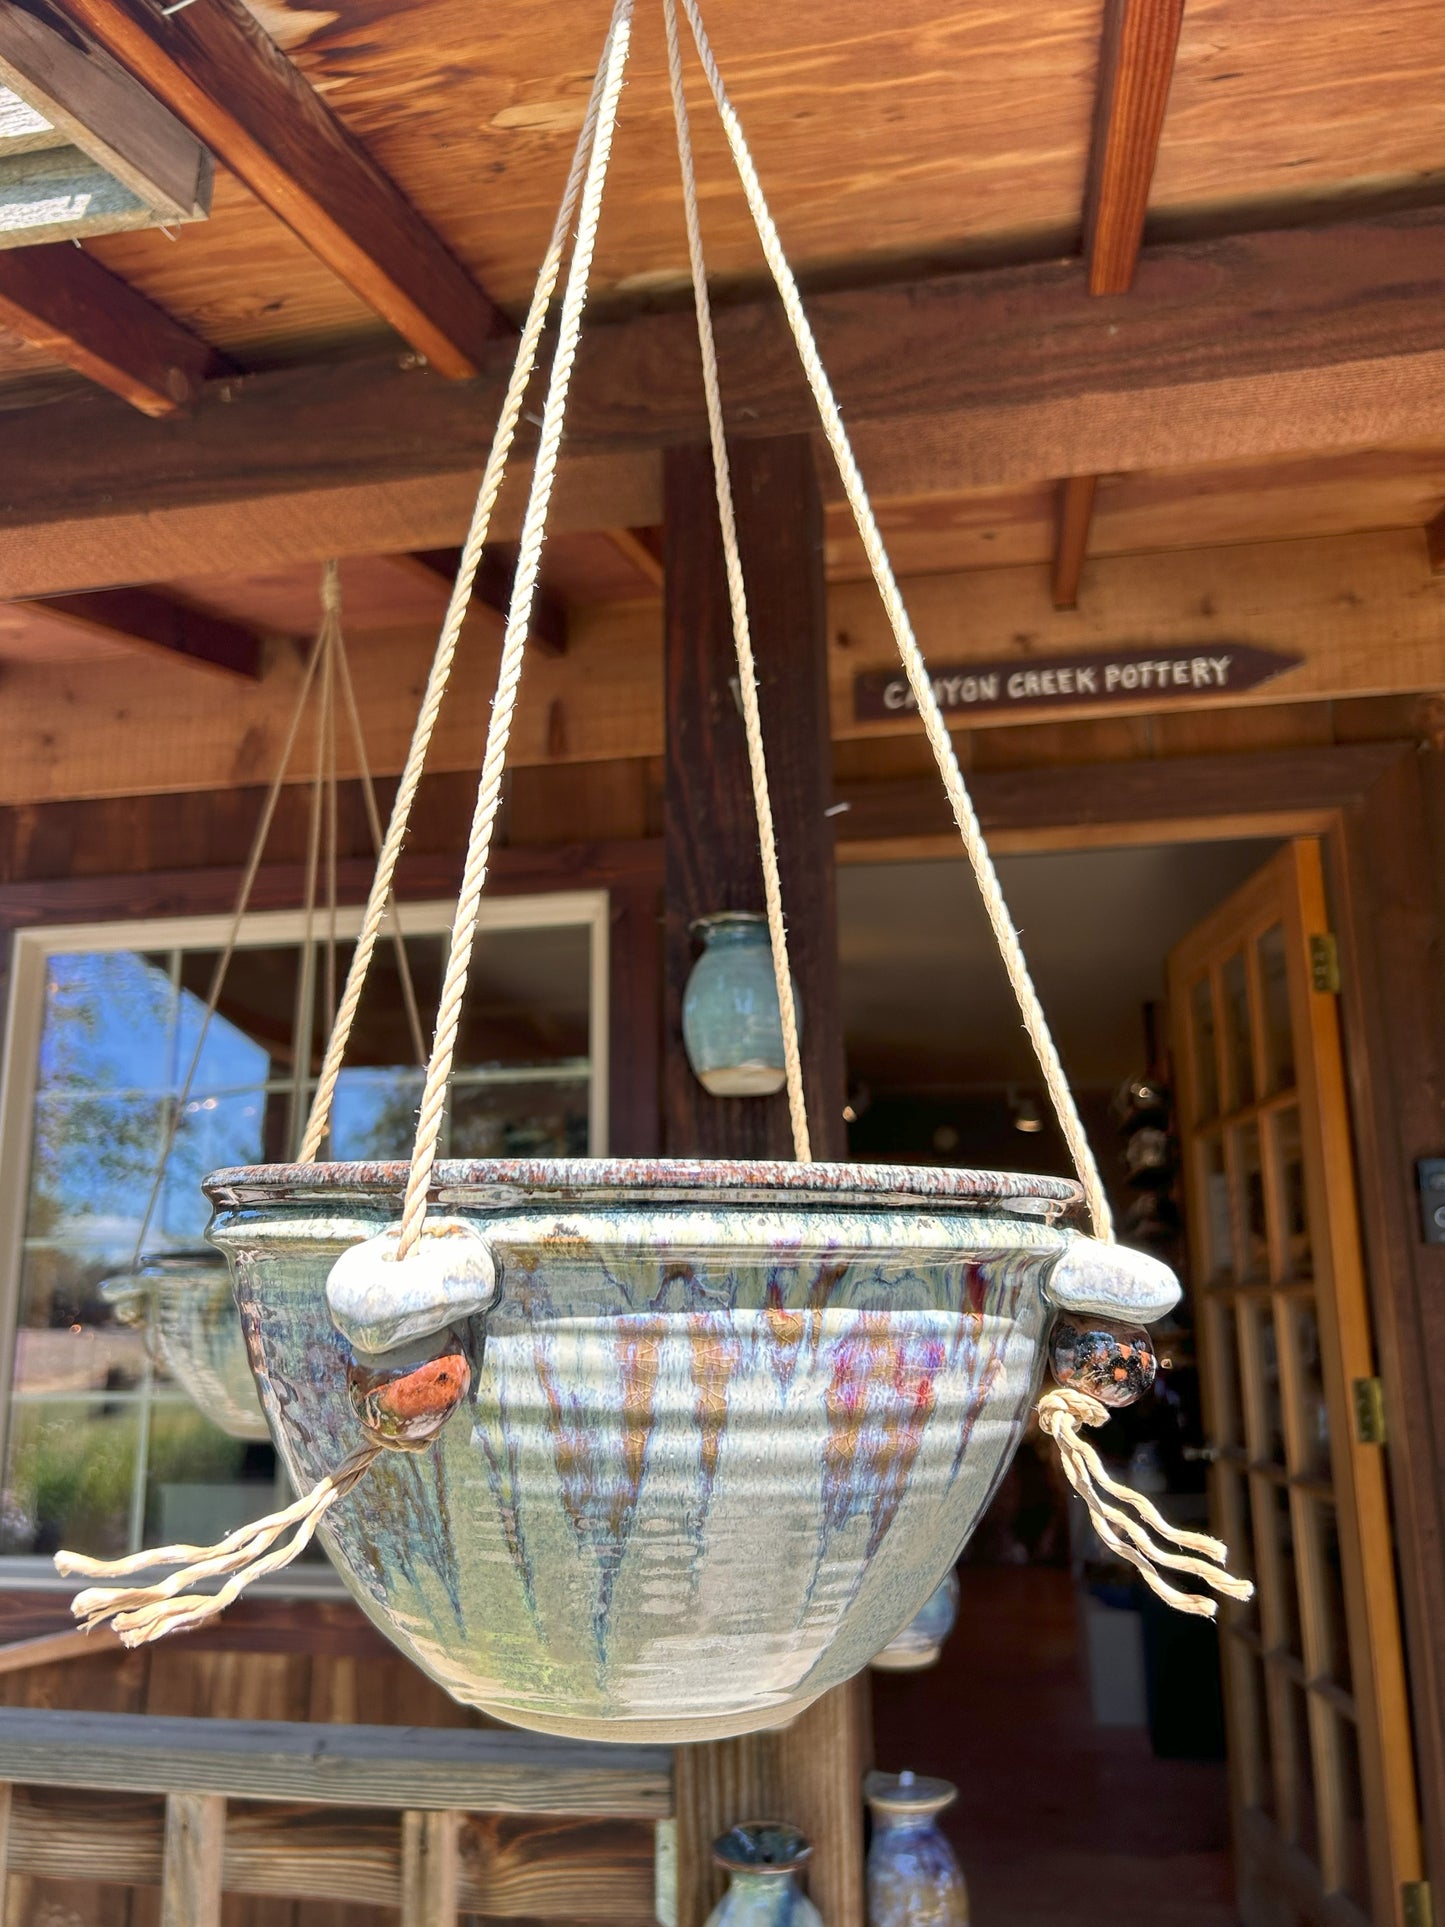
(183, 1305)
(717, 1431)
(764, 1861)
(914, 1879)
(921, 1641)
(731, 1027)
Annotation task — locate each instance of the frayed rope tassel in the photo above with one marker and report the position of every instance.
(143, 1613)
(1061, 1412)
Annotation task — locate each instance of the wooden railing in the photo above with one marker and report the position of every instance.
(437, 1821)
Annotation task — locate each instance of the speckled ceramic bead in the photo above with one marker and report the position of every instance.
(726, 1423)
(764, 1861)
(1111, 1362)
(914, 1879)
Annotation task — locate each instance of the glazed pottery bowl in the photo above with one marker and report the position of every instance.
(183, 1304)
(728, 1425)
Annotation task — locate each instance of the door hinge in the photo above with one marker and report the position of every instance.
(1369, 1396)
(1325, 964)
(1417, 1909)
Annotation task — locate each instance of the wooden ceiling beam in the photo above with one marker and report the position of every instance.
(493, 590)
(63, 301)
(1140, 40)
(218, 71)
(1435, 543)
(1136, 67)
(1071, 539)
(643, 549)
(150, 620)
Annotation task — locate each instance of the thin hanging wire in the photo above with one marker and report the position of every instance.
(373, 824)
(238, 916)
(738, 602)
(514, 644)
(440, 673)
(916, 670)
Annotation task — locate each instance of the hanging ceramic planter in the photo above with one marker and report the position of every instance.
(725, 1426)
(914, 1879)
(183, 1305)
(921, 1641)
(764, 1862)
(731, 1024)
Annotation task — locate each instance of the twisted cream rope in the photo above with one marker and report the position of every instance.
(493, 476)
(737, 597)
(514, 643)
(1035, 1023)
(1061, 1412)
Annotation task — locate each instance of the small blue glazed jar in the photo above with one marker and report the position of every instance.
(763, 1860)
(921, 1641)
(730, 1020)
(914, 1879)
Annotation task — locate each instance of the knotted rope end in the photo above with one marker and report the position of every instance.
(1122, 1526)
(140, 1614)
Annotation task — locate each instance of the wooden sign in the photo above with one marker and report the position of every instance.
(1120, 676)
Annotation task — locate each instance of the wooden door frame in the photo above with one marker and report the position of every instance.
(1379, 811)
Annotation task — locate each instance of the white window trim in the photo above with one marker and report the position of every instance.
(31, 951)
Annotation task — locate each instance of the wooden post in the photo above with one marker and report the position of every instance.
(430, 1869)
(191, 1862)
(7, 1792)
(810, 1774)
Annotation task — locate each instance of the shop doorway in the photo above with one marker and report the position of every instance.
(1106, 1777)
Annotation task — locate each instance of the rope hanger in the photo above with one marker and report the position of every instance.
(145, 1612)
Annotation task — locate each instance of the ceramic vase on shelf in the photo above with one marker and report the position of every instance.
(764, 1861)
(921, 1641)
(914, 1880)
(730, 1021)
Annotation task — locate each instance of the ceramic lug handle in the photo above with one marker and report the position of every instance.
(382, 1304)
(1111, 1281)
(1113, 1363)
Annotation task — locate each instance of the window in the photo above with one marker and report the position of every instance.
(103, 1450)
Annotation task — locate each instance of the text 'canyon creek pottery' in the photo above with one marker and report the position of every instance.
(182, 1304)
(727, 1425)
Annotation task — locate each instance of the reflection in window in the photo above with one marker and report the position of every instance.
(104, 1451)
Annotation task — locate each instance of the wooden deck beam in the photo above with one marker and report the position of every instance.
(1135, 70)
(151, 620)
(218, 71)
(1318, 339)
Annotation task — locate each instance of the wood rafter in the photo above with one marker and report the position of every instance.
(219, 72)
(1435, 543)
(63, 301)
(1136, 66)
(642, 548)
(147, 619)
(493, 589)
(1135, 70)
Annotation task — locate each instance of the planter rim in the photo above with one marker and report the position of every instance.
(507, 1181)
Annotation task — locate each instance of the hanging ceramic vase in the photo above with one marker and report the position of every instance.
(183, 1305)
(921, 1641)
(914, 1879)
(763, 1861)
(712, 1428)
(730, 1021)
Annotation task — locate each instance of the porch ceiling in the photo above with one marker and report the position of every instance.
(921, 146)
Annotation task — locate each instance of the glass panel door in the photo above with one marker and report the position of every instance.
(1320, 1758)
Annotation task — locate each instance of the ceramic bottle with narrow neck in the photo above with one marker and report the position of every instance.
(764, 1863)
(914, 1880)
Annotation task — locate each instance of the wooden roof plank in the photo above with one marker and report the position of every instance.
(147, 619)
(62, 300)
(1141, 38)
(493, 589)
(217, 69)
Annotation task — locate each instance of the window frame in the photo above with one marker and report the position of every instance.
(33, 945)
